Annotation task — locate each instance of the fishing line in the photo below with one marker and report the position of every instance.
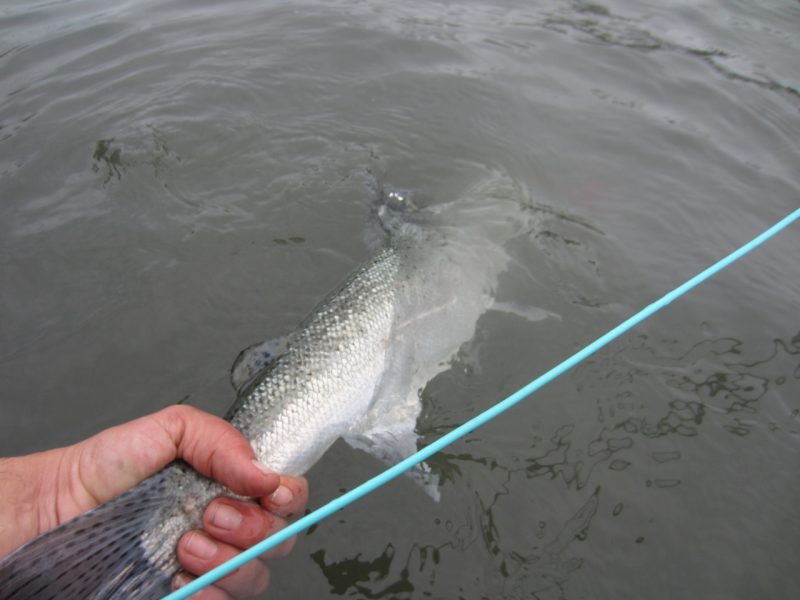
(459, 432)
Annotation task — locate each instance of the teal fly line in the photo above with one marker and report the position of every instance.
(484, 417)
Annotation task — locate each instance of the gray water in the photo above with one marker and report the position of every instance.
(180, 179)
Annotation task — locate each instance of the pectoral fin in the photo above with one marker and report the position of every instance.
(253, 359)
(529, 313)
(392, 443)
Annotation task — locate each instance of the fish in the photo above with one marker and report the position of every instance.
(352, 369)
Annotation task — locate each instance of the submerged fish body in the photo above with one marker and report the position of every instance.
(352, 369)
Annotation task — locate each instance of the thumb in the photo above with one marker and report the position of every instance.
(216, 449)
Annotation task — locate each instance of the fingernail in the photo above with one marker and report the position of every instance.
(282, 496)
(200, 546)
(263, 468)
(226, 517)
(179, 581)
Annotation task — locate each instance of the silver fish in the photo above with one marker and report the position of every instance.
(353, 369)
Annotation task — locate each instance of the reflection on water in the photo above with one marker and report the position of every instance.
(357, 573)
(712, 377)
(556, 456)
(151, 150)
(541, 572)
(109, 157)
(597, 24)
(544, 574)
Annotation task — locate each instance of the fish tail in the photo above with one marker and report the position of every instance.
(99, 554)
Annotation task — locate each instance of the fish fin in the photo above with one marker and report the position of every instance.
(98, 554)
(390, 445)
(253, 359)
(529, 313)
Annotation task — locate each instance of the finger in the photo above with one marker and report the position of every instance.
(237, 523)
(290, 499)
(217, 450)
(282, 550)
(208, 593)
(243, 524)
(198, 553)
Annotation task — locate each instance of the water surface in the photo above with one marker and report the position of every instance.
(181, 179)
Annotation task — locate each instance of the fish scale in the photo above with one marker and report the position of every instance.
(338, 353)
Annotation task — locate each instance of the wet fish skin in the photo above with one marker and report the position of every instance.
(324, 382)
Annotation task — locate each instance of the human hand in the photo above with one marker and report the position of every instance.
(46, 489)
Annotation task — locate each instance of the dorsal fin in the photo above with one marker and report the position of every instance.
(253, 359)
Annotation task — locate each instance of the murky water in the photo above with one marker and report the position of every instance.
(181, 179)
